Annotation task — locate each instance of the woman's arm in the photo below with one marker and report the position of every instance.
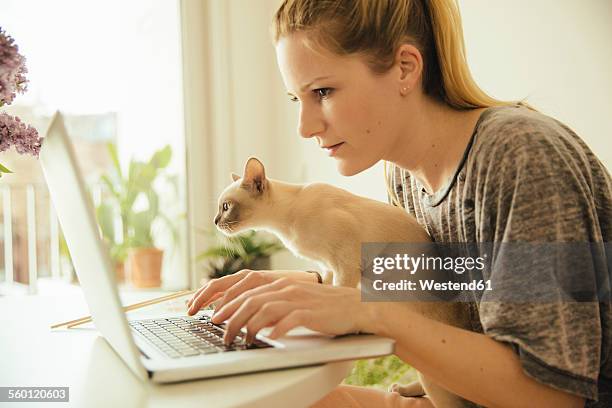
(469, 364)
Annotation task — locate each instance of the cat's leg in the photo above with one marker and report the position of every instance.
(347, 271)
(326, 273)
(341, 279)
(414, 389)
(327, 277)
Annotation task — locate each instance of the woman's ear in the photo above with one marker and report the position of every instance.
(410, 63)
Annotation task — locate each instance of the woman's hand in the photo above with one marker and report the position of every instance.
(232, 285)
(286, 303)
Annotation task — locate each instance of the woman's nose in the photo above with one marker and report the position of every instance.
(309, 124)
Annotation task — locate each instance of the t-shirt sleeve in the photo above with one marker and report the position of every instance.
(530, 189)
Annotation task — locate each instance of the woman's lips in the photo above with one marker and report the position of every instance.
(331, 150)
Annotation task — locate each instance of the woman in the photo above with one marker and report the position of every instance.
(388, 80)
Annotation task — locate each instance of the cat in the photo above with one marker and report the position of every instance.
(313, 221)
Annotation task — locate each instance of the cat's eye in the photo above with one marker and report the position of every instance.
(225, 206)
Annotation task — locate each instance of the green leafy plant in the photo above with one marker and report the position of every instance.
(380, 373)
(134, 197)
(231, 254)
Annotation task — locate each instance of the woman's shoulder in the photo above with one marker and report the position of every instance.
(517, 145)
(519, 127)
(518, 137)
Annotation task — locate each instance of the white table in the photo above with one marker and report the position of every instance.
(33, 355)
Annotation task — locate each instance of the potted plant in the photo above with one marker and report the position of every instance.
(134, 197)
(232, 254)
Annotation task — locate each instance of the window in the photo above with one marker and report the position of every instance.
(113, 68)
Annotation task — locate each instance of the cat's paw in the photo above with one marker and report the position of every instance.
(413, 389)
(395, 387)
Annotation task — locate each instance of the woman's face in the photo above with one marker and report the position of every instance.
(342, 103)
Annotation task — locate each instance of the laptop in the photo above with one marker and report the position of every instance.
(172, 347)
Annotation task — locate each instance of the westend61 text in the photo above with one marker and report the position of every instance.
(429, 285)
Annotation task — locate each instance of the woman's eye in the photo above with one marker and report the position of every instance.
(322, 93)
(293, 98)
(225, 206)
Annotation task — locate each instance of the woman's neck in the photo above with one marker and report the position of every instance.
(435, 141)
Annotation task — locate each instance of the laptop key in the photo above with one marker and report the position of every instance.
(258, 344)
(189, 353)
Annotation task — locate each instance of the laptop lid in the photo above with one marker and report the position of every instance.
(89, 254)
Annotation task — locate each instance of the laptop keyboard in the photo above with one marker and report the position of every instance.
(187, 336)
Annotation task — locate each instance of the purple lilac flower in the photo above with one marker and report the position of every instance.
(13, 132)
(12, 69)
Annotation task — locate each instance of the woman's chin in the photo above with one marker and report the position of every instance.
(348, 169)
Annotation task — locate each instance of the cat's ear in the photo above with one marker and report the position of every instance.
(235, 177)
(254, 176)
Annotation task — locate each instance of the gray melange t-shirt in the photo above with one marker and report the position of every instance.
(526, 177)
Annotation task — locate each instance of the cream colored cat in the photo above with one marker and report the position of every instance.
(327, 225)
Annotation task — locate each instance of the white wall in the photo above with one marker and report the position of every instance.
(554, 52)
(557, 53)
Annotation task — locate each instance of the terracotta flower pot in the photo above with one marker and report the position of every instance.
(144, 267)
(120, 271)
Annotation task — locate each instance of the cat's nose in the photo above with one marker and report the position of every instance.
(217, 218)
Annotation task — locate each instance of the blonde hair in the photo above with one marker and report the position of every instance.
(376, 28)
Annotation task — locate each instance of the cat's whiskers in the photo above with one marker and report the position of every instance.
(227, 225)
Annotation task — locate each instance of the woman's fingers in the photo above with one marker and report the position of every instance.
(204, 295)
(268, 315)
(195, 295)
(225, 310)
(247, 309)
(252, 280)
(294, 304)
(212, 300)
(285, 304)
(298, 317)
